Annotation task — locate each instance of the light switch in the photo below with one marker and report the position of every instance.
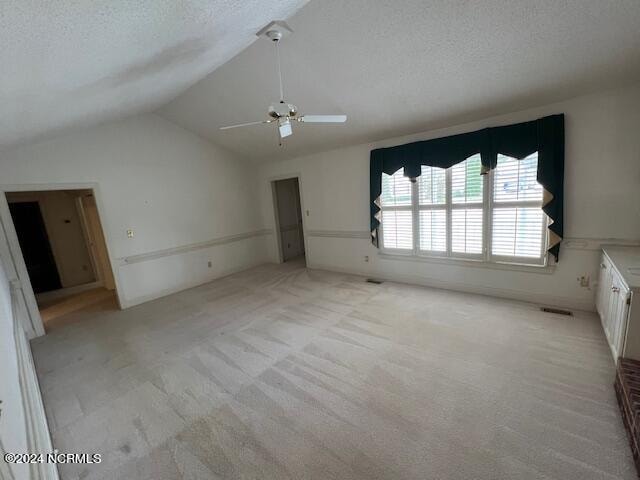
(130, 233)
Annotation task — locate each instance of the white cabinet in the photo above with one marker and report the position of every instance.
(614, 301)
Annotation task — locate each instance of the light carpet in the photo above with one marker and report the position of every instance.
(281, 372)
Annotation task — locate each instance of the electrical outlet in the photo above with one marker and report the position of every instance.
(366, 258)
(584, 281)
(209, 264)
(130, 233)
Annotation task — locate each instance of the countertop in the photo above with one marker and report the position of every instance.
(627, 262)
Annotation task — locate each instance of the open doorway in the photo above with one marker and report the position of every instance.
(65, 253)
(288, 215)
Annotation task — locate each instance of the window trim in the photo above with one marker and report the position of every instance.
(488, 204)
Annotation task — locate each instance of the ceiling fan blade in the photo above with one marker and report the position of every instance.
(245, 124)
(323, 118)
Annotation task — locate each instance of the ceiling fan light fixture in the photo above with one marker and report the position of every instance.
(284, 126)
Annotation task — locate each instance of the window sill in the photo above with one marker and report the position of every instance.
(461, 262)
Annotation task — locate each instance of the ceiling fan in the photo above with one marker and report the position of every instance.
(283, 113)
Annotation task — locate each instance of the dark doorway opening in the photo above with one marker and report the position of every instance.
(35, 246)
(289, 219)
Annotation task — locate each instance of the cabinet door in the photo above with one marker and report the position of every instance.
(619, 317)
(611, 298)
(604, 288)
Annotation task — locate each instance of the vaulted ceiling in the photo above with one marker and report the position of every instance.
(393, 67)
(67, 63)
(407, 66)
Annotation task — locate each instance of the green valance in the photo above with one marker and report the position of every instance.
(545, 136)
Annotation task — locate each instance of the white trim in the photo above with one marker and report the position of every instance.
(586, 243)
(38, 435)
(17, 271)
(167, 252)
(359, 234)
(519, 295)
(467, 262)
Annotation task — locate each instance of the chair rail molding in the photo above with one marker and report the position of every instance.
(591, 243)
(359, 234)
(167, 252)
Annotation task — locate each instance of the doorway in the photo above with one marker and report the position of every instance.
(289, 223)
(35, 246)
(64, 250)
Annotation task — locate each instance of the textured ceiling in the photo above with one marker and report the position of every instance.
(406, 66)
(68, 63)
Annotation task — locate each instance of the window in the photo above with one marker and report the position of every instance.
(518, 220)
(396, 203)
(459, 213)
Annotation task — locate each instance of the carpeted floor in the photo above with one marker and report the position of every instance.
(286, 373)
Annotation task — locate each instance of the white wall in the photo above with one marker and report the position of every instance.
(172, 188)
(602, 201)
(67, 240)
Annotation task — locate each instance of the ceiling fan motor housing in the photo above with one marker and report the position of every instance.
(282, 109)
(274, 35)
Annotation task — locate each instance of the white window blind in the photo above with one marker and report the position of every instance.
(432, 217)
(396, 190)
(397, 216)
(432, 186)
(398, 229)
(461, 214)
(433, 230)
(467, 187)
(518, 221)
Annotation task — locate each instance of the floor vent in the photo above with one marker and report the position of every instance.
(373, 280)
(559, 311)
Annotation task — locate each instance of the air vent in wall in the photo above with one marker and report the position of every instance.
(373, 280)
(559, 311)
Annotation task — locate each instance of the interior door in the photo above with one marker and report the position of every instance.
(35, 246)
(97, 242)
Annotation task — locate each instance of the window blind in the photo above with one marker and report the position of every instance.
(396, 190)
(433, 230)
(397, 230)
(518, 220)
(448, 213)
(397, 216)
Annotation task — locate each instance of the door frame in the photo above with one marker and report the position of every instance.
(11, 255)
(276, 220)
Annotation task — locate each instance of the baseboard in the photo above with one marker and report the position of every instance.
(524, 296)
